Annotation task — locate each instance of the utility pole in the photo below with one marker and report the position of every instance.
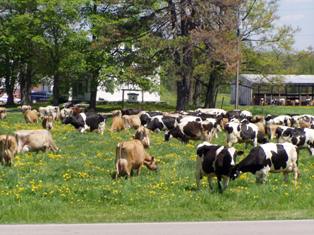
(238, 61)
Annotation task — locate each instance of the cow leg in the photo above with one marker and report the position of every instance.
(261, 176)
(220, 186)
(138, 172)
(255, 142)
(225, 182)
(286, 176)
(210, 183)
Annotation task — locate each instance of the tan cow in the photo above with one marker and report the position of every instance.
(8, 149)
(47, 122)
(142, 134)
(34, 140)
(131, 155)
(131, 121)
(3, 113)
(271, 130)
(259, 121)
(31, 116)
(117, 121)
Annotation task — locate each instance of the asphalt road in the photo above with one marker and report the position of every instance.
(295, 227)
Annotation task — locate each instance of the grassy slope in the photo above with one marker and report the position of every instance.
(75, 185)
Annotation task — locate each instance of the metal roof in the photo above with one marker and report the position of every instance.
(286, 79)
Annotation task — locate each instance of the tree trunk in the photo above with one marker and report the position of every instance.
(56, 89)
(93, 93)
(210, 101)
(9, 88)
(26, 85)
(197, 93)
(181, 95)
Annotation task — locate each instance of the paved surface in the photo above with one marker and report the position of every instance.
(298, 227)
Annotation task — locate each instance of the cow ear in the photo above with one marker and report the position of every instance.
(239, 153)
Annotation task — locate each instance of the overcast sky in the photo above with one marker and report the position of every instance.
(299, 13)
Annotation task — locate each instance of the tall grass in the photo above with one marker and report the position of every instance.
(76, 185)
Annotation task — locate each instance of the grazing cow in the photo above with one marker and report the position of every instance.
(238, 114)
(191, 130)
(302, 121)
(160, 123)
(25, 107)
(271, 130)
(301, 137)
(215, 160)
(3, 113)
(259, 121)
(243, 132)
(131, 121)
(146, 116)
(87, 121)
(142, 134)
(8, 149)
(47, 122)
(267, 158)
(131, 155)
(34, 140)
(31, 116)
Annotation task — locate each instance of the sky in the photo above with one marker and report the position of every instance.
(299, 13)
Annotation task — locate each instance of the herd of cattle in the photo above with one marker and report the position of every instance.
(291, 131)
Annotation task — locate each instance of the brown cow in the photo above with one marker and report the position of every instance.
(34, 140)
(3, 113)
(131, 155)
(31, 116)
(47, 122)
(142, 134)
(271, 130)
(259, 121)
(131, 121)
(8, 149)
(25, 107)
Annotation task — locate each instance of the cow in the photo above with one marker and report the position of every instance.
(131, 155)
(160, 123)
(284, 120)
(270, 157)
(131, 121)
(8, 149)
(243, 132)
(31, 116)
(87, 121)
(272, 132)
(142, 134)
(117, 121)
(194, 130)
(3, 113)
(301, 137)
(215, 160)
(238, 114)
(302, 121)
(47, 122)
(146, 116)
(50, 110)
(34, 140)
(259, 121)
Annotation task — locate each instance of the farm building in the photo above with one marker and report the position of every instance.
(255, 89)
(127, 92)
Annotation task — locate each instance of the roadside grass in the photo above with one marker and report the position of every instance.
(76, 185)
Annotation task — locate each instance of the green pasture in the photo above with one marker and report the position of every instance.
(76, 185)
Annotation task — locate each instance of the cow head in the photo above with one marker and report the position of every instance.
(142, 134)
(234, 173)
(150, 163)
(168, 135)
(47, 122)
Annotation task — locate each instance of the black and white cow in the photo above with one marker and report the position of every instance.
(243, 132)
(191, 130)
(284, 120)
(145, 117)
(239, 114)
(215, 160)
(267, 158)
(130, 111)
(87, 121)
(212, 111)
(301, 137)
(161, 123)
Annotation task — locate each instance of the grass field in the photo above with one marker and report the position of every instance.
(76, 185)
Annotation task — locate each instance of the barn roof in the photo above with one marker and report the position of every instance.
(286, 79)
